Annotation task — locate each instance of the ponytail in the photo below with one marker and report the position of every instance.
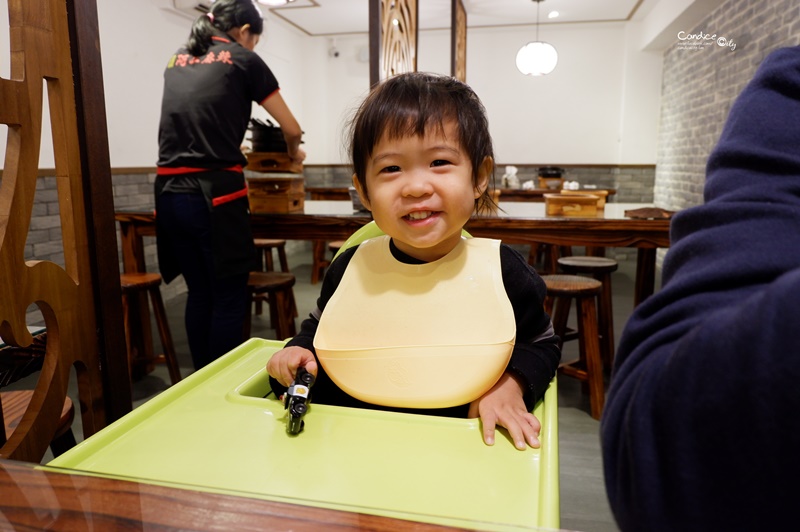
(223, 17)
(200, 36)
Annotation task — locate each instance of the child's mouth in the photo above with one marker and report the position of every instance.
(419, 215)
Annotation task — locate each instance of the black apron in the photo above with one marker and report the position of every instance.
(232, 243)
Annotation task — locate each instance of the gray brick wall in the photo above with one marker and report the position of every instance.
(634, 184)
(700, 85)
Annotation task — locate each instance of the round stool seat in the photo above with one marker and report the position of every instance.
(269, 242)
(139, 281)
(587, 265)
(335, 246)
(571, 285)
(263, 281)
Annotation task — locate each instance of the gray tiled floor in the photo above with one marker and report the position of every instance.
(584, 506)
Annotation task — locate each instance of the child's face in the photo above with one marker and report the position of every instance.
(421, 191)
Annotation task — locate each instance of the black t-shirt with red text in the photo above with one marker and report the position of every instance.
(207, 104)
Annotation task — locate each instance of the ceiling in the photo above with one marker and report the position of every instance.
(337, 17)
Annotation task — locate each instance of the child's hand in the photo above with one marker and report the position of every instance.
(503, 405)
(283, 364)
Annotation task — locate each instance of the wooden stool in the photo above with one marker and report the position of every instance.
(268, 265)
(13, 406)
(277, 286)
(268, 244)
(547, 255)
(600, 268)
(320, 261)
(133, 283)
(561, 289)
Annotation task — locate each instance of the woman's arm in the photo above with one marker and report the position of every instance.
(277, 108)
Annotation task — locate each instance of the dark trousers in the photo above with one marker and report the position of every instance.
(215, 307)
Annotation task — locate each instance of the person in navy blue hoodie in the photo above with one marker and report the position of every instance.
(701, 429)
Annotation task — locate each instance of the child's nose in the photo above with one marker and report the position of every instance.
(418, 184)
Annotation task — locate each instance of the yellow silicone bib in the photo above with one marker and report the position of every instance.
(418, 335)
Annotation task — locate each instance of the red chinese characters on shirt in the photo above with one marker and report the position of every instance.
(182, 60)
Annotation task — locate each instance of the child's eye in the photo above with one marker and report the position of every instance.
(440, 162)
(390, 169)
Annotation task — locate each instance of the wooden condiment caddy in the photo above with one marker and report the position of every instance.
(570, 205)
(272, 162)
(276, 193)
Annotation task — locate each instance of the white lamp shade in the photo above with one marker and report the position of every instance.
(537, 58)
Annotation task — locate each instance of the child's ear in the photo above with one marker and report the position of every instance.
(484, 173)
(362, 194)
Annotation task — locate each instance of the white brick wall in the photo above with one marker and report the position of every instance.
(699, 87)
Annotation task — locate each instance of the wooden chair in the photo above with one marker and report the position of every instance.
(561, 290)
(277, 286)
(599, 268)
(80, 302)
(12, 409)
(149, 283)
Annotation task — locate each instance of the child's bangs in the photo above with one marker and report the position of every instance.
(415, 117)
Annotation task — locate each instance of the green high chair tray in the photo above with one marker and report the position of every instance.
(214, 431)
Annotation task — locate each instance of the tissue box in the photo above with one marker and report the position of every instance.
(276, 194)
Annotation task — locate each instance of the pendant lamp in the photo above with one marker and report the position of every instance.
(537, 58)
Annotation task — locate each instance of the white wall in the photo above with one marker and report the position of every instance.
(600, 105)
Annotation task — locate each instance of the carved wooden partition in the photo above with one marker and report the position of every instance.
(393, 32)
(458, 40)
(54, 46)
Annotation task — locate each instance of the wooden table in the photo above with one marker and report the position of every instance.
(516, 223)
(39, 498)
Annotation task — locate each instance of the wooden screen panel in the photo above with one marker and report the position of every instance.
(393, 32)
(41, 50)
(458, 41)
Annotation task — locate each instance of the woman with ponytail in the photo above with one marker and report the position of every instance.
(202, 214)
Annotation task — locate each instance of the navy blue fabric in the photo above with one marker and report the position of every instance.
(216, 307)
(701, 428)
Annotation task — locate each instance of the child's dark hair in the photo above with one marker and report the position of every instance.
(223, 17)
(408, 104)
